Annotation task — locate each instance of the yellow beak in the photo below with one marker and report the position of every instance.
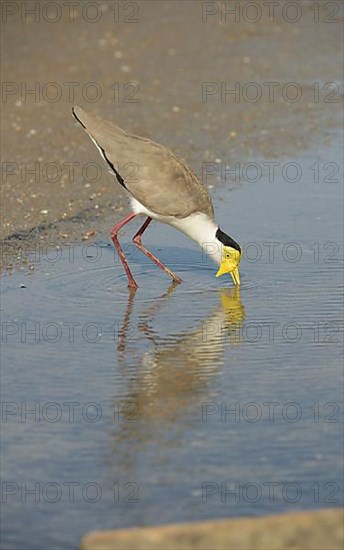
(222, 270)
(234, 274)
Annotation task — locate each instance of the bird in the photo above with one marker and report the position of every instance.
(164, 189)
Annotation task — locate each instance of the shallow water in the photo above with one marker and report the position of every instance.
(151, 408)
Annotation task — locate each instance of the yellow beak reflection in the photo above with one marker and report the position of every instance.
(234, 273)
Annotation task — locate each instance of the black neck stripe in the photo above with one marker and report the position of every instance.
(226, 240)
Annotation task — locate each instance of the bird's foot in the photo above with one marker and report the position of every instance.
(132, 285)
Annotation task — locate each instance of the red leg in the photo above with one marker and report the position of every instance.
(137, 241)
(114, 231)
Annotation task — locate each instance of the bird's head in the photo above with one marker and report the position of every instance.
(231, 256)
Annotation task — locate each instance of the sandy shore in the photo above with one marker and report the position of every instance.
(307, 530)
(163, 70)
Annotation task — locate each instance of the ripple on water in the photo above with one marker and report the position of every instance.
(105, 286)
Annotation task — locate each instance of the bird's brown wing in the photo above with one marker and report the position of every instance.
(150, 172)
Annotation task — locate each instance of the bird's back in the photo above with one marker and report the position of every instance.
(158, 179)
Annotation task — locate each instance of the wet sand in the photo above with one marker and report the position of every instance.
(150, 63)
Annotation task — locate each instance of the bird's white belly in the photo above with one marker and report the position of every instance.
(198, 226)
(138, 208)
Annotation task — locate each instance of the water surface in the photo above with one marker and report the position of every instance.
(151, 407)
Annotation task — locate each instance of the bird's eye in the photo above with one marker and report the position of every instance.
(227, 256)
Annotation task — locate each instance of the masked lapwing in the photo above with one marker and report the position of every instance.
(164, 189)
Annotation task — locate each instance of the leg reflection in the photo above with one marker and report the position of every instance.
(147, 316)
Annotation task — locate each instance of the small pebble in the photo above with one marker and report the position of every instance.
(88, 234)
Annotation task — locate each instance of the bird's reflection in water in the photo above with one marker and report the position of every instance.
(165, 376)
